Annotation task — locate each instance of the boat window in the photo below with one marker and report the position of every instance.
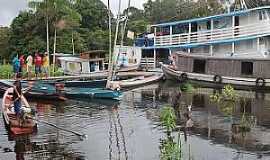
(262, 15)
(236, 23)
(246, 68)
(199, 66)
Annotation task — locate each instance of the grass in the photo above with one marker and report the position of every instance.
(6, 72)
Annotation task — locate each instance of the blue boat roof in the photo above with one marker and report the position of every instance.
(236, 13)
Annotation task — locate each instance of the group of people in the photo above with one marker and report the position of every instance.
(40, 63)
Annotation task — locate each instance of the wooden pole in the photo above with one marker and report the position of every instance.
(54, 49)
(115, 42)
(110, 46)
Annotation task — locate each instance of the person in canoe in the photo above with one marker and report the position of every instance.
(17, 94)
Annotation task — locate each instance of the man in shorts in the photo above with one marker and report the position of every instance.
(29, 66)
(38, 64)
(45, 64)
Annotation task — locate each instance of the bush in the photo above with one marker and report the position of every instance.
(6, 71)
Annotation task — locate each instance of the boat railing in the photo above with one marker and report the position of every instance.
(148, 62)
(207, 36)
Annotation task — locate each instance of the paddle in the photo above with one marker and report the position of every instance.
(53, 125)
(82, 136)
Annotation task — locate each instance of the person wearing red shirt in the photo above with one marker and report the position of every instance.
(38, 64)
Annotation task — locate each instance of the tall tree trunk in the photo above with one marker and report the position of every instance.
(72, 41)
(47, 31)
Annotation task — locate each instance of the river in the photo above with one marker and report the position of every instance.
(131, 128)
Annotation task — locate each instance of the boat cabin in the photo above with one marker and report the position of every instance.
(238, 34)
(223, 66)
(94, 61)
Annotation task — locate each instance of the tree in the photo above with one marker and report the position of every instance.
(4, 38)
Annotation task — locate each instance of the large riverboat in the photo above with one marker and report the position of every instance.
(230, 48)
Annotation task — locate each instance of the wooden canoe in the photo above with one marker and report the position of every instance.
(15, 124)
(138, 81)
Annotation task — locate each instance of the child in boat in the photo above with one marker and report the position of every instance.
(17, 97)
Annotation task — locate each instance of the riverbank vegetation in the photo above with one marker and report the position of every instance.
(6, 72)
(170, 150)
(227, 100)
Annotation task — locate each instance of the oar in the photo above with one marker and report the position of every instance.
(55, 126)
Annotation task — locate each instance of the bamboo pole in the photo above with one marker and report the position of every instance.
(115, 42)
(122, 33)
(54, 49)
(110, 44)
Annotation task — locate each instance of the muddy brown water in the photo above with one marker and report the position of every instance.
(131, 129)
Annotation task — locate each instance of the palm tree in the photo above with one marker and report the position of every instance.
(61, 15)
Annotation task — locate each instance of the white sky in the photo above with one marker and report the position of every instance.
(9, 9)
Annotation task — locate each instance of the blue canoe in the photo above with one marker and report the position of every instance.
(100, 93)
(39, 90)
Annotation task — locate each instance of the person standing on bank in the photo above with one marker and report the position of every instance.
(38, 64)
(29, 66)
(45, 65)
(22, 64)
(16, 66)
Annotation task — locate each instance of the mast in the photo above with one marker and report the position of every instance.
(111, 66)
(122, 34)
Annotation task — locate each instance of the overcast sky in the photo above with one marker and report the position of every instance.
(9, 9)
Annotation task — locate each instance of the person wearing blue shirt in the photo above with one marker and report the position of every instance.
(16, 66)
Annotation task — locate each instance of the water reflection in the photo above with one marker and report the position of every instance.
(131, 129)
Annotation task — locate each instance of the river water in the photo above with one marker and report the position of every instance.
(131, 129)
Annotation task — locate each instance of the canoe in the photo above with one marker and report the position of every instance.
(100, 93)
(138, 81)
(39, 90)
(13, 123)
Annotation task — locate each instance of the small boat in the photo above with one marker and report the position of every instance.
(13, 123)
(99, 93)
(37, 89)
(139, 80)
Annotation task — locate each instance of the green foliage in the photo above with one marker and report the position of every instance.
(168, 118)
(187, 87)
(85, 19)
(162, 11)
(6, 71)
(57, 72)
(170, 150)
(226, 100)
(4, 38)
